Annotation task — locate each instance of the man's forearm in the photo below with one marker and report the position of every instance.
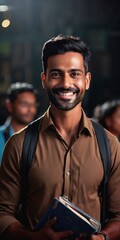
(17, 231)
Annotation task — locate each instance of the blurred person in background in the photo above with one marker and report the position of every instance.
(21, 103)
(96, 113)
(109, 116)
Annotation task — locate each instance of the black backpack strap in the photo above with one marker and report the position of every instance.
(29, 147)
(104, 149)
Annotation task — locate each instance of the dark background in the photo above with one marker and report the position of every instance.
(33, 22)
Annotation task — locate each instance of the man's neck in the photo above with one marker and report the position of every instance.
(67, 123)
(16, 127)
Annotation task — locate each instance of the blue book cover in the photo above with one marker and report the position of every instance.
(69, 217)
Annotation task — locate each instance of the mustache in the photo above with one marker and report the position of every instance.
(61, 89)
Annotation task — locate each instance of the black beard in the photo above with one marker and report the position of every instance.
(64, 105)
(20, 120)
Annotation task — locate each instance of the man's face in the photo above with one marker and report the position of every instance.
(23, 110)
(113, 122)
(65, 80)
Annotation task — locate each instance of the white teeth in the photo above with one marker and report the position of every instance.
(66, 94)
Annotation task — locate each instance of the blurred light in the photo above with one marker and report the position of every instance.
(6, 23)
(3, 8)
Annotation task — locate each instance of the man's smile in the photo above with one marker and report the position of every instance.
(65, 93)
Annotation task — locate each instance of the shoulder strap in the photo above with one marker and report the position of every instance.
(104, 149)
(29, 144)
(29, 147)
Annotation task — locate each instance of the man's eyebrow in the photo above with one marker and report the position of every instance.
(73, 69)
(77, 69)
(56, 69)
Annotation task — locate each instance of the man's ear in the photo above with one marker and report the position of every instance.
(43, 78)
(8, 105)
(108, 122)
(88, 79)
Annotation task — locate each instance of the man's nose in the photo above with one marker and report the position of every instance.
(66, 80)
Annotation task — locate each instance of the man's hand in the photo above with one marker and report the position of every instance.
(90, 237)
(17, 231)
(47, 233)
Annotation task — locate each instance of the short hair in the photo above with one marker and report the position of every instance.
(19, 87)
(62, 44)
(107, 109)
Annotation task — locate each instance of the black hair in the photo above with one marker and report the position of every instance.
(107, 109)
(19, 87)
(62, 44)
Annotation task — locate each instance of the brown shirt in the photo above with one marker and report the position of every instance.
(75, 172)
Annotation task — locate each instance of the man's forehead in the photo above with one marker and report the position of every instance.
(72, 59)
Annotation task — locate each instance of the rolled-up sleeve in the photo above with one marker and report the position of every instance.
(10, 188)
(113, 190)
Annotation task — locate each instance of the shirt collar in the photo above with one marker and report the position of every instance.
(85, 123)
(11, 130)
(46, 120)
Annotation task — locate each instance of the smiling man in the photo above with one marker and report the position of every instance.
(67, 161)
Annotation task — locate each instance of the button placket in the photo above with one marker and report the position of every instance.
(68, 173)
(67, 177)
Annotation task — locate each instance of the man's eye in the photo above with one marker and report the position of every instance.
(55, 75)
(76, 74)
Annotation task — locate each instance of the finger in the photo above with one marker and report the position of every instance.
(51, 222)
(65, 234)
(84, 236)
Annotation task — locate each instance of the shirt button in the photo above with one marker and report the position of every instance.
(68, 173)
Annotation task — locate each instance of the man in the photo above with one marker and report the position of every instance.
(21, 104)
(109, 116)
(67, 160)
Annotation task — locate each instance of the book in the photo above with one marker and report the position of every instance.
(69, 217)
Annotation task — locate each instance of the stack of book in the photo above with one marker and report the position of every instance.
(69, 217)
